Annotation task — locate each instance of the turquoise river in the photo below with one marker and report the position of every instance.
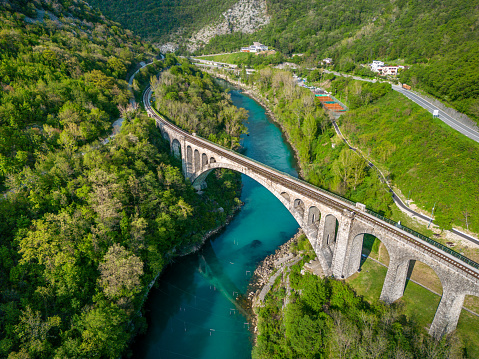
(193, 313)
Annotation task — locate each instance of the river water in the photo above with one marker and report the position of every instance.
(193, 312)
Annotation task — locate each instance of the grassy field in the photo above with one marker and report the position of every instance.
(420, 303)
(421, 155)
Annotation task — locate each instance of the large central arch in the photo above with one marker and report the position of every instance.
(199, 182)
(307, 214)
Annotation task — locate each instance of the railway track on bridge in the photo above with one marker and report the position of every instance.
(434, 248)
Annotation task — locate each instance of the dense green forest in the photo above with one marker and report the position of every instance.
(157, 20)
(305, 316)
(86, 226)
(192, 100)
(62, 79)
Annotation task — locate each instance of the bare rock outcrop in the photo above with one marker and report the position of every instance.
(245, 16)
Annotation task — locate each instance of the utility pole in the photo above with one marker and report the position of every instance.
(408, 196)
(432, 215)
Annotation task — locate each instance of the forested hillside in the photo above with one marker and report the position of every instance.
(156, 20)
(62, 78)
(439, 38)
(189, 99)
(86, 226)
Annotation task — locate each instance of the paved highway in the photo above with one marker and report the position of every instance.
(444, 117)
(465, 130)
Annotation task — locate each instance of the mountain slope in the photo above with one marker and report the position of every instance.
(158, 20)
(245, 17)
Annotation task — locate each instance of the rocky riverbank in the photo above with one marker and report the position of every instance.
(211, 233)
(276, 265)
(268, 270)
(270, 265)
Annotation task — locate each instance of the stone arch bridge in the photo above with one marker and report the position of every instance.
(336, 226)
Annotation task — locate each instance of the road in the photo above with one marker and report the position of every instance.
(353, 77)
(444, 117)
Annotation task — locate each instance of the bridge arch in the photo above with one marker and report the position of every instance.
(331, 225)
(298, 206)
(198, 183)
(176, 148)
(165, 135)
(189, 160)
(312, 224)
(438, 278)
(365, 244)
(197, 166)
(286, 197)
(204, 160)
(314, 216)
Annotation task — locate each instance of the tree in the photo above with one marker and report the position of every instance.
(32, 331)
(350, 168)
(466, 214)
(120, 273)
(104, 331)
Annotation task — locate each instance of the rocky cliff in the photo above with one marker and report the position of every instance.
(245, 16)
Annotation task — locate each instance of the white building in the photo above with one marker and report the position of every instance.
(256, 47)
(376, 65)
(328, 61)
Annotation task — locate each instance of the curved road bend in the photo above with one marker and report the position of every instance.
(398, 201)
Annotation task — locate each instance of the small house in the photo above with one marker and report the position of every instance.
(256, 47)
